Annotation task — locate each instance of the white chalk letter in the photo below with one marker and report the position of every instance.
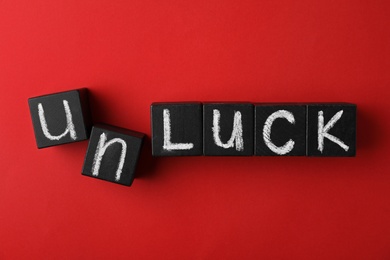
(69, 123)
(323, 130)
(236, 136)
(289, 145)
(101, 149)
(168, 145)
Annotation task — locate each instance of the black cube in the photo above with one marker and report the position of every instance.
(228, 129)
(280, 129)
(60, 118)
(331, 129)
(176, 129)
(112, 154)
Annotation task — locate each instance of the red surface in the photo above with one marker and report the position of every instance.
(133, 53)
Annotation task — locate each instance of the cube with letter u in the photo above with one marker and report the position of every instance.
(60, 118)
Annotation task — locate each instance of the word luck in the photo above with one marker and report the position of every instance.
(186, 129)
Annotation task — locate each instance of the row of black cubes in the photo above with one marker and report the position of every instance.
(190, 123)
(194, 123)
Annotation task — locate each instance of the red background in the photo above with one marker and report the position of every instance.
(132, 53)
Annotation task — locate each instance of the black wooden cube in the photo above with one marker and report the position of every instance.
(112, 154)
(176, 129)
(280, 129)
(61, 117)
(331, 129)
(228, 129)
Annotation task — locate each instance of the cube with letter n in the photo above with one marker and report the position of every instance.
(112, 154)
